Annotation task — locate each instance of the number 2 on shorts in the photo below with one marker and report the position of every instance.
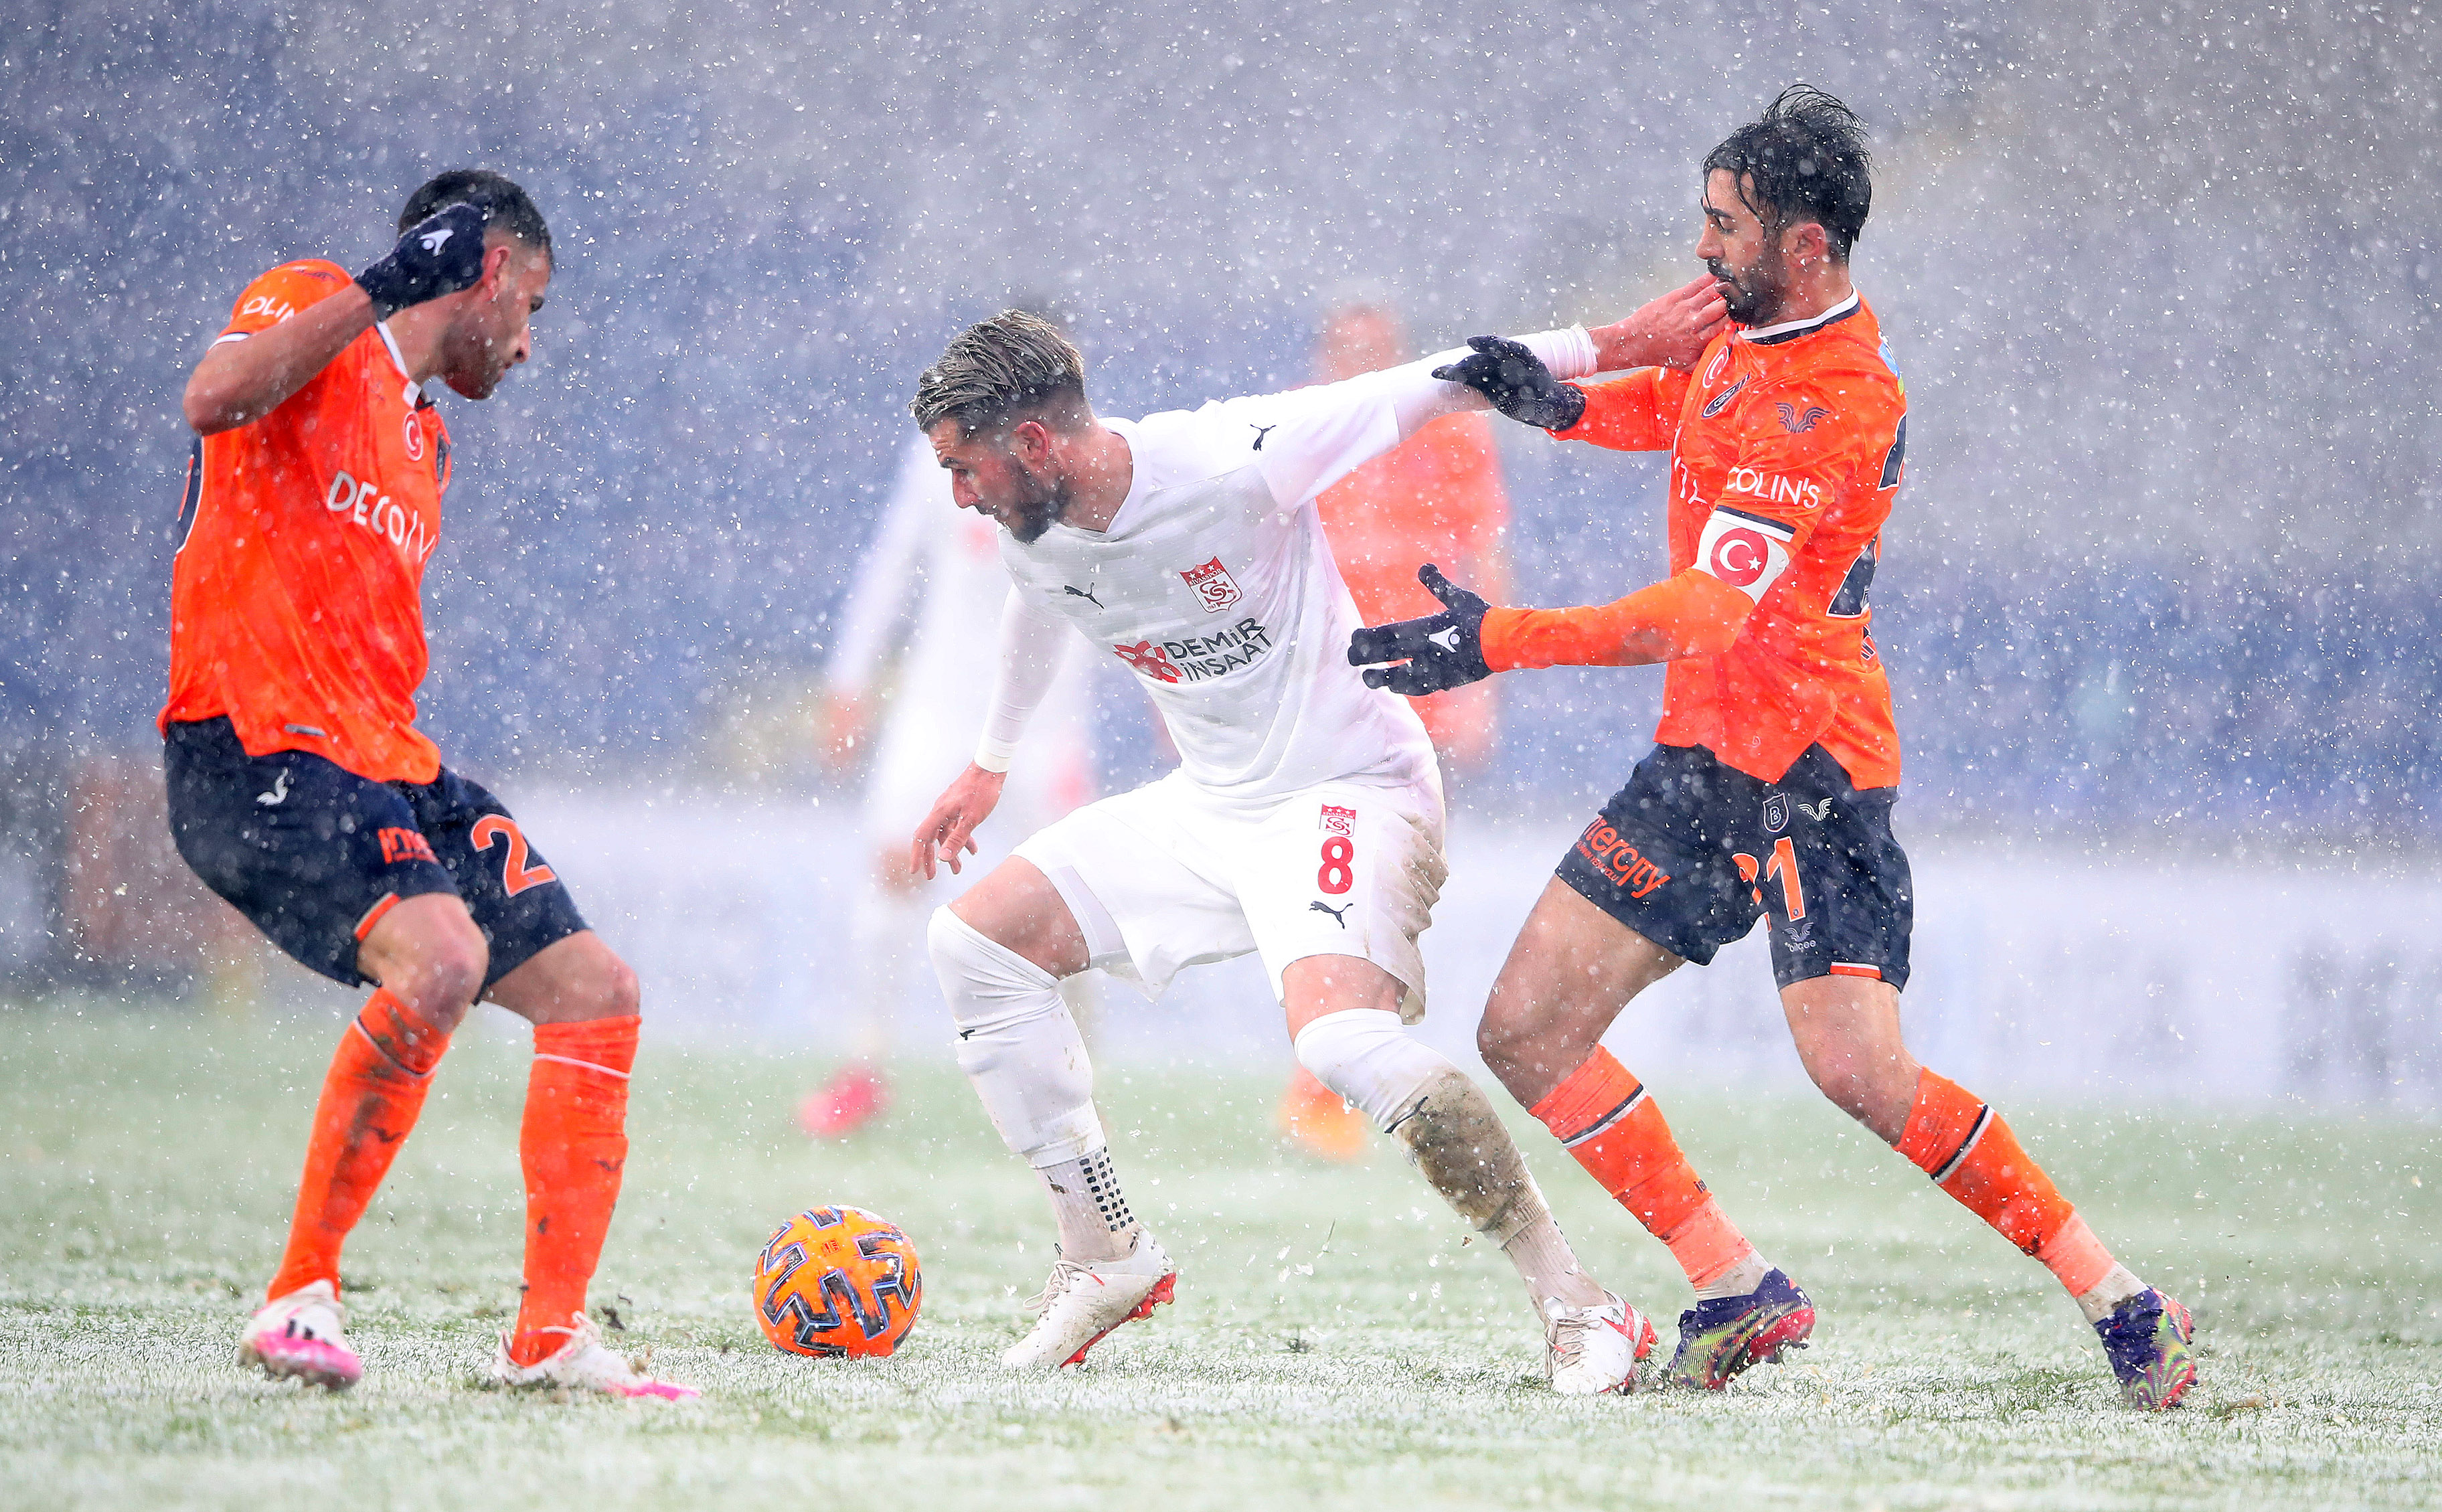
(516, 876)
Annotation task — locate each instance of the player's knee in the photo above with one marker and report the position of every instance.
(1503, 1045)
(621, 995)
(442, 975)
(983, 979)
(1368, 1057)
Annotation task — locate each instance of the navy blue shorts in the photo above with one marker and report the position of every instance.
(313, 855)
(1693, 851)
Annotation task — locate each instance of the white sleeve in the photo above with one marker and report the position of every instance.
(1030, 644)
(1325, 432)
(886, 571)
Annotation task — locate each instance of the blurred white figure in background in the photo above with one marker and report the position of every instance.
(928, 594)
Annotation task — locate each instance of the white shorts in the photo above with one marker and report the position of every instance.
(1166, 877)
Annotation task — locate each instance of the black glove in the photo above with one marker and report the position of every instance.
(1440, 651)
(440, 254)
(1514, 378)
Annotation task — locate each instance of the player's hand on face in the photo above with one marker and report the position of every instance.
(948, 832)
(441, 254)
(1515, 380)
(1670, 331)
(1433, 654)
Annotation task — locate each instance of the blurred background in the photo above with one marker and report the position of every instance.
(2166, 283)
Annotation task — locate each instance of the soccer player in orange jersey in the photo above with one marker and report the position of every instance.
(1770, 790)
(302, 792)
(1436, 497)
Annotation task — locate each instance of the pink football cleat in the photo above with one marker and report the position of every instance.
(854, 1098)
(584, 1363)
(303, 1335)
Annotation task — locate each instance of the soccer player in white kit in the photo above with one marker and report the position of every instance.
(947, 564)
(1304, 822)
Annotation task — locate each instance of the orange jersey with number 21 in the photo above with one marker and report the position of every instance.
(295, 605)
(1786, 450)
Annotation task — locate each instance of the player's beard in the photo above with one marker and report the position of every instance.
(1047, 501)
(1753, 296)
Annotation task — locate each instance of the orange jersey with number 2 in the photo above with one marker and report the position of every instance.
(296, 604)
(1786, 450)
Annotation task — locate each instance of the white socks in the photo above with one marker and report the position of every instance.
(1094, 1220)
(2118, 1285)
(1743, 1277)
(1017, 1044)
(1549, 1268)
(1368, 1057)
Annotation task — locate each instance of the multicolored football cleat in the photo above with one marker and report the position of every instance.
(1723, 1335)
(1318, 1121)
(852, 1099)
(303, 1335)
(2151, 1343)
(1592, 1350)
(1080, 1305)
(584, 1363)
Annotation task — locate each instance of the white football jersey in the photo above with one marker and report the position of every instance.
(1214, 585)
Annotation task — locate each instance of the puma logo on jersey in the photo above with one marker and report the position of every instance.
(1086, 593)
(1261, 432)
(1816, 812)
(278, 794)
(1797, 421)
(1339, 915)
(433, 241)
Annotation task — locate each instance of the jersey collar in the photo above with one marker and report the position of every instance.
(414, 393)
(1791, 330)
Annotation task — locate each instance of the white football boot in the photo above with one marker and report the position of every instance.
(1588, 1351)
(303, 1335)
(584, 1363)
(1081, 1303)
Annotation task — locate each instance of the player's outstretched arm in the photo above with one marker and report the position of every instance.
(948, 832)
(1668, 332)
(1692, 614)
(239, 382)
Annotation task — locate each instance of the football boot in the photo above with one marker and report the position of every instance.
(2150, 1340)
(1320, 1122)
(1723, 1335)
(1588, 1351)
(852, 1099)
(303, 1335)
(584, 1363)
(1082, 1302)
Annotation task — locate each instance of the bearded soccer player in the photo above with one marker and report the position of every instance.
(1303, 824)
(1770, 792)
(302, 792)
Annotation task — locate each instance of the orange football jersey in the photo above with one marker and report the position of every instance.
(296, 601)
(1786, 452)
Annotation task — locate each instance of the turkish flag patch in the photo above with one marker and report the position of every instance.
(1747, 552)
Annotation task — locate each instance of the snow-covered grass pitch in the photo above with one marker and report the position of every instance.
(1335, 1342)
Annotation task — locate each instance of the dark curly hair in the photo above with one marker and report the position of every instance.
(1804, 159)
(503, 204)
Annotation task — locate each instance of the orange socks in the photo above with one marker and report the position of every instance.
(574, 1146)
(370, 1099)
(1971, 1153)
(1604, 1118)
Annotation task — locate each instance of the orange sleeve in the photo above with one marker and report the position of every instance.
(283, 292)
(1691, 615)
(1639, 413)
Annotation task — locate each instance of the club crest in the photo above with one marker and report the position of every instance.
(1214, 588)
(1775, 813)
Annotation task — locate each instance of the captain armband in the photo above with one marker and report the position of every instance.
(1748, 552)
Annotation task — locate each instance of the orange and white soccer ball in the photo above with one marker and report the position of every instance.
(837, 1281)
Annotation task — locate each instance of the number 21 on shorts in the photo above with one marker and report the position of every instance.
(516, 876)
(1782, 868)
(1337, 872)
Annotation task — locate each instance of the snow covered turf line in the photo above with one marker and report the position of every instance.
(1334, 1343)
